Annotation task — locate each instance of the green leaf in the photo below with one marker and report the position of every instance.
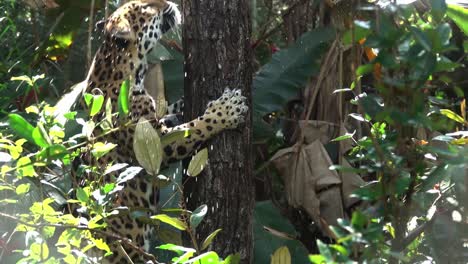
(317, 259)
(452, 115)
(459, 15)
(210, 238)
(198, 163)
(438, 8)
(23, 78)
(55, 152)
(364, 69)
(82, 195)
(422, 38)
(358, 220)
(147, 147)
(98, 101)
(88, 98)
(198, 215)
(39, 251)
(25, 167)
(22, 188)
(100, 149)
(170, 221)
(40, 136)
(176, 248)
(22, 127)
(123, 100)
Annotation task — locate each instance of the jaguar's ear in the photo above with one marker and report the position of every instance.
(120, 29)
(100, 25)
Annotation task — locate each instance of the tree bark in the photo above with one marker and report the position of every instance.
(216, 39)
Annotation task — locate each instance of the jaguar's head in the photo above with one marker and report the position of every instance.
(141, 23)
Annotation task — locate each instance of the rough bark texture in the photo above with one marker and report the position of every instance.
(216, 38)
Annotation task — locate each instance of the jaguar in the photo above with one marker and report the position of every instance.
(129, 35)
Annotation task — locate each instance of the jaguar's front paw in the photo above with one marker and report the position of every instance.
(228, 110)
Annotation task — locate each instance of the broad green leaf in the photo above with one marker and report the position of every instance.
(452, 115)
(170, 221)
(22, 127)
(289, 70)
(459, 15)
(97, 102)
(100, 149)
(147, 147)
(82, 195)
(281, 256)
(123, 101)
(198, 163)
(209, 239)
(198, 215)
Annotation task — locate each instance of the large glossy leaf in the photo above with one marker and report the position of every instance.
(280, 80)
(459, 15)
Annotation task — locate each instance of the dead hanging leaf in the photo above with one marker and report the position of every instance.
(147, 147)
(198, 163)
(281, 256)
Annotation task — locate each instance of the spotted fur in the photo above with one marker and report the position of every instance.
(130, 33)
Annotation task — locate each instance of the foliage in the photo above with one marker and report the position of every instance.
(414, 152)
(415, 160)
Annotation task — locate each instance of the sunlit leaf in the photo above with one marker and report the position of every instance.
(170, 221)
(123, 100)
(22, 188)
(100, 149)
(459, 15)
(210, 239)
(452, 115)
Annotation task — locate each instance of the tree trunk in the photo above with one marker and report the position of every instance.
(216, 38)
